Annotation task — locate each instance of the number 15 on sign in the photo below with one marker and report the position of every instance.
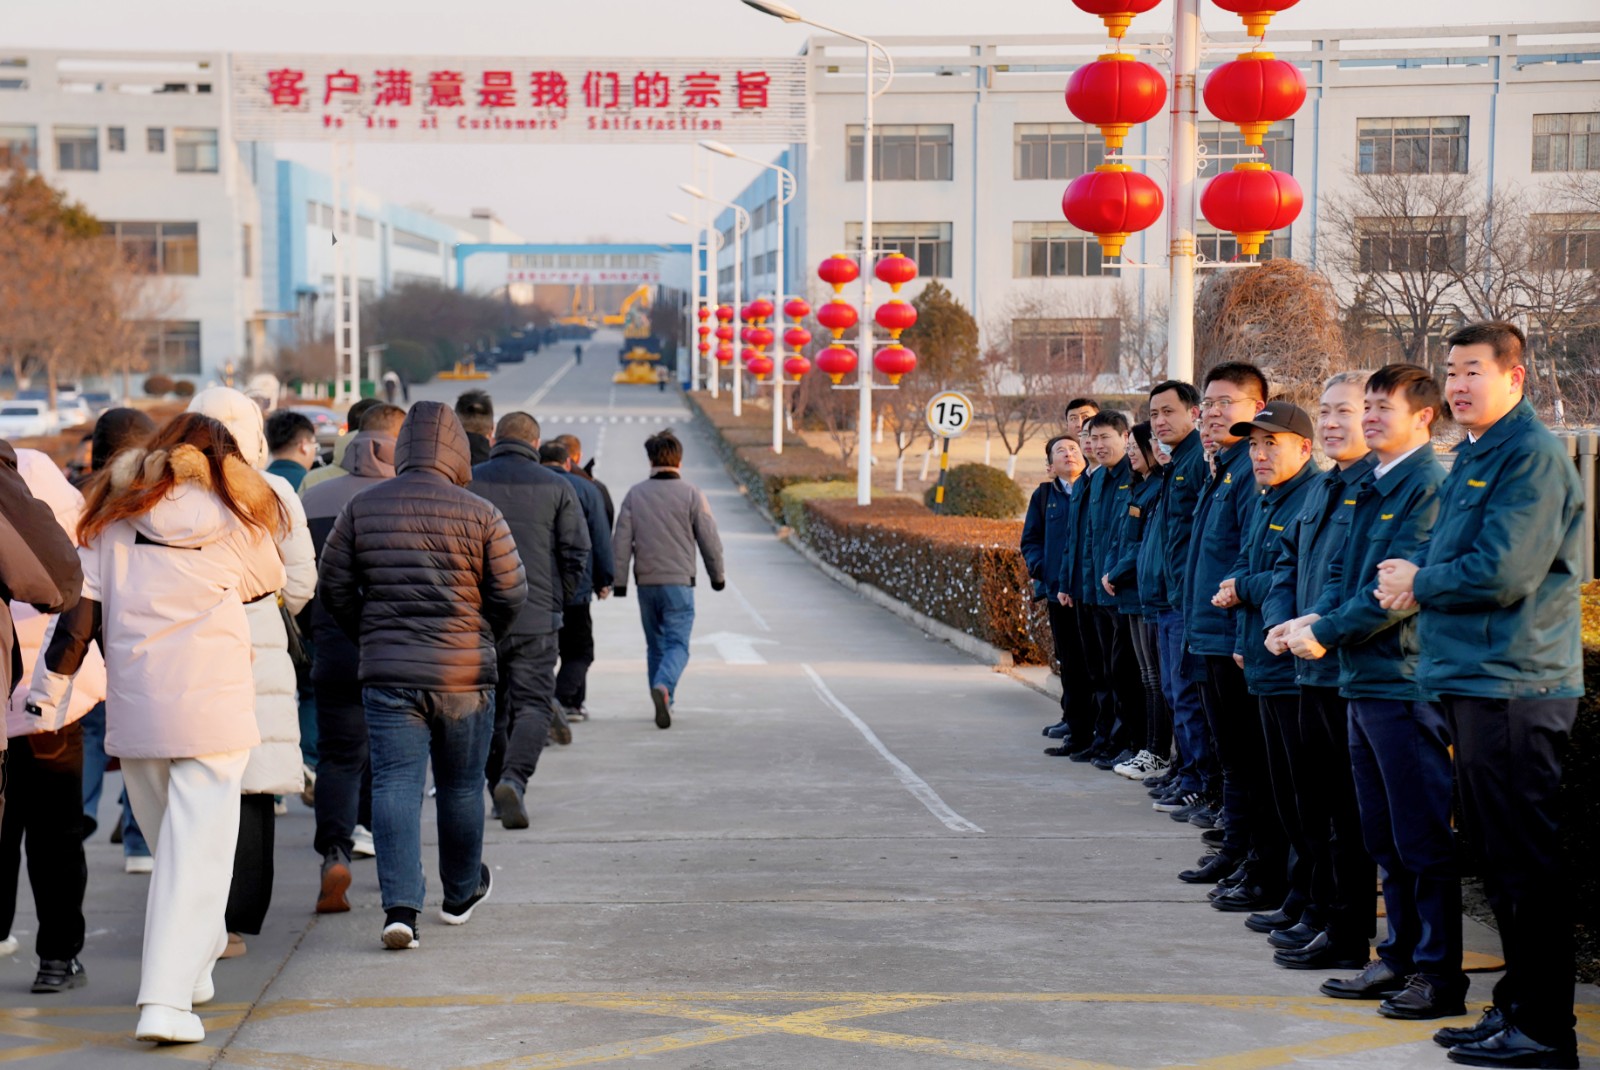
(949, 416)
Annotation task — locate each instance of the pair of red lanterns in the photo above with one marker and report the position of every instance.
(1116, 92)
(895, 316)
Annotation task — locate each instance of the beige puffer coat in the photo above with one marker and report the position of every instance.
(275, 765)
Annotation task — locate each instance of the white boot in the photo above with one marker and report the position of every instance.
(168, 1025)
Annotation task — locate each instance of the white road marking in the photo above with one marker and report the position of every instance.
(736, 649)
(761, 622)
(906, 775)
(549, 385)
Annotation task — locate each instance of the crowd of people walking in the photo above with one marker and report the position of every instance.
(1310, 664)
(232, 625)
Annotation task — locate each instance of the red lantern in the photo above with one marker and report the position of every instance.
(1255, 91)
(796, 309)
(837, 361)
(744, 332)
(724, 354)
(1116, 14)
(895, 361)
(896, 269)
(895, 316)
(1111, 202)
(705, 330)
(797, 338)
(724, 332)
(760, 309)
(705, 347)
(703, 312)
(759, 366)
(724, 313)
(838, 316)
(838, 271)
(761, 337)
(1115, 92)
(1256, 13)
(744, 314)
(796, 366)
(1251, 201)
(746, 355)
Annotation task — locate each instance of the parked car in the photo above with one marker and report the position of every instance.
(73, 412)
(328, 423)
(26, 419)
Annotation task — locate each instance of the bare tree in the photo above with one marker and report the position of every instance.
(1281, 315)
(1142, 359)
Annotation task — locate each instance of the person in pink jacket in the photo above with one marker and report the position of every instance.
(176, 540)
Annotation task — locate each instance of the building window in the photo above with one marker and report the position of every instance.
(407, 240)
(1394, 244)
(903, 153)
(19, 145)
(365, 228)
(1079, 346)
(1567, 142)
(246, 250)
(1431, 145)
(172, 347)
(1053, 250)
(158, 248)
(758, 217)
(926, 243)
(195, 149)
(1056, 150)
(1224, 139)
(1571, 241)
(1222, 247)
(78, 148)
(155, 139)
(116, 139)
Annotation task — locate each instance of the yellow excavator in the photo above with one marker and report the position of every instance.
(620, 317)
(641, 350)
(578, 317)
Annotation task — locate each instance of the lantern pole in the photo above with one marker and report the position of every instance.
(741, 223)
(1181, 179)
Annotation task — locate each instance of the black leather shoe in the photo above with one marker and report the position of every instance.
(1063, 751)
(1247, 898)
(1207, 818)
(1229, 883)
(1294, 937)
(1512, 1047)
(1058, 730)
(59, 975)
(1213, 870)
(1487, 1026)
(1324, 953)
(1375, 981)
(1422, 1000)
(1111, 761)
(1081, 754)
(1270, 922)
(1212, 836)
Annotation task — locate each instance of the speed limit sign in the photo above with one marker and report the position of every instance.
(950, 414)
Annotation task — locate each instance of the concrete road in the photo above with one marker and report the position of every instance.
(848, 851)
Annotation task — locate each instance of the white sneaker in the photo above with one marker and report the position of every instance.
(169, 1025)
(398, 936)
(204, 992)
(1156, 766)
(139, 864)
(361, 845)
(280, 807)
(8, 946)
(1135, 768)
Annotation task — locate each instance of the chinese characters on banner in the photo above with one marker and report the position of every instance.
(569, 276)
(510, 101)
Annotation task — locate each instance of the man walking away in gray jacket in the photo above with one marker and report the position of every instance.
(661, 522)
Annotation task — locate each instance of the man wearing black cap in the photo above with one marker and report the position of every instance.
(1280, 458)
(1399, 745)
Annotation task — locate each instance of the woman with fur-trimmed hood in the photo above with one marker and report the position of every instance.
(176, 540)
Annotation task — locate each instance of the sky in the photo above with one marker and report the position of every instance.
(582, 193)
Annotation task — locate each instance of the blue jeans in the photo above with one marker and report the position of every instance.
(667, 613)
(1196, 768)
(407, 727)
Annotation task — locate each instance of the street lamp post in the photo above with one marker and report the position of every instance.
(788, 186)
(741, 223)
(864, 413)
(704, 296)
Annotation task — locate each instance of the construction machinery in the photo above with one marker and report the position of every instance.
(641, 350)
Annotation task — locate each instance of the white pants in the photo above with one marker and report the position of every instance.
(188, 809)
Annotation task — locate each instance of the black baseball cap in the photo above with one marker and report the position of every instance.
(1279, 417)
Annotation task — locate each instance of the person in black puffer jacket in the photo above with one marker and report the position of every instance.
(547, 522)
(426, 577)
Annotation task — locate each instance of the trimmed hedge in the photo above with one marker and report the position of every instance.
(792, 500)
(745, 444)
(1581, 774)
(978, 490)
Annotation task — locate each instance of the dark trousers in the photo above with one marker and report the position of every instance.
(1280, 732)
(1077, 701)
(44, 777)
(1158, 718)
(1097, 677)
(251, 892)
(1122, 719)
(1251, 828)
(344, 767)
(1400, 753)
(1508, 757)
(1196, 764)
(1342, 873)
(522, 709)
(575, 645)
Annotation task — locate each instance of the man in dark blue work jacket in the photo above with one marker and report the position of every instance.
(1340, 911)
(1234, 392)
(1044, 536)
(1194, 781)
(1399, 745)
(1122, 718)
(1498, 591)
(1280, 458)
